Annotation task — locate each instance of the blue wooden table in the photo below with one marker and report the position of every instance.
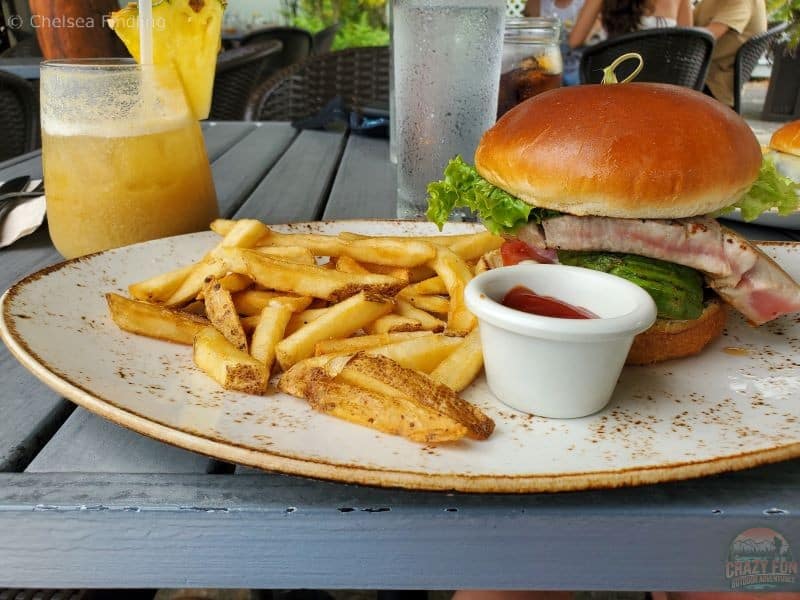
(84, 503)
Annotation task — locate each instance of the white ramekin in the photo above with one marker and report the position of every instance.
(552, 367)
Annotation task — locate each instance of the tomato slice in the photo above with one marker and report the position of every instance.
(514, 252)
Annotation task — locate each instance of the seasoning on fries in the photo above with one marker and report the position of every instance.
(361, 336)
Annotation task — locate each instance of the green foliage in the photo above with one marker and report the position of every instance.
(361, 22)
(786, 11)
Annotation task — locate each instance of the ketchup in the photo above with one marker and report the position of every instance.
(526, 300)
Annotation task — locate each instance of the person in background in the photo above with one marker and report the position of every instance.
(732, 23)
(567, 11)
(625, 16)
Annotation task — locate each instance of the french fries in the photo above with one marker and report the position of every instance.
(154, 320)
(362, 337)
(229, 366)
(269, 332)
(364, 342)
(222, 313)
(317, 282)
(455, 274)
(340, 320)
(459, 369)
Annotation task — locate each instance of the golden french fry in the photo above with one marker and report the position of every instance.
(249, 324)
(421, 390)
(160, 287)
(456, 275)
(391, 252)
(317, 282)
(154, 320)
(318, 244)
(340, 320)
(396, 252)
(364, 342)
(392, 324)
(232, 368)
(460, 369)
(245, 233)
(302, 319)
(431, 304)
(222, 226)
(295, 381)
(269, 332)
(222, 313)
(426, 320)
(235, 282)
(440, 240)
(402, 273)
(432, 285)
(252, 302)
(392, 414)
(193, 284)
(490, 260)
(288, 253)
(345, 264)
(476, 245)
(422, 354)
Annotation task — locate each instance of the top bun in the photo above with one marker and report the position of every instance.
(787, 139)
(632, 150)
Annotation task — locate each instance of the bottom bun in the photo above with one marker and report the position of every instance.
(668, 339)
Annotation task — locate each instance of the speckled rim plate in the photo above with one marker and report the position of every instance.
(732, 407)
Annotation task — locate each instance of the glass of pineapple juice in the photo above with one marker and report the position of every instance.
(124, 158)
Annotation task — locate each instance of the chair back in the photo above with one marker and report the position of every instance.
(323, 40)
(19, 116)
(675, 55)
(238, 71)
(747, 58)
(297, 43)
(359, 75)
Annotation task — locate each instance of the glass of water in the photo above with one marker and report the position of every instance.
(447, 56)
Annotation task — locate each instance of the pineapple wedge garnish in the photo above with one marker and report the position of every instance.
(186, 33)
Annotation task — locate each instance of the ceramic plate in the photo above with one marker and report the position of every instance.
(734, 406)
(769, 219)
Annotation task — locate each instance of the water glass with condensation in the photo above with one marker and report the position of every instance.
(447, 56)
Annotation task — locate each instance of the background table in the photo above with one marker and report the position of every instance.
(84, 503)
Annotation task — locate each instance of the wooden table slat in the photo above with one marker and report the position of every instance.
(89, 444)
(221, 137)
(296, 187)
(239, 171)
(366, 182)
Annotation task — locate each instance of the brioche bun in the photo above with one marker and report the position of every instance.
(634, 150)
(668, 339)
(787, 139)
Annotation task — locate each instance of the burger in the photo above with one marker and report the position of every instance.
(627, 179)
(784, 150)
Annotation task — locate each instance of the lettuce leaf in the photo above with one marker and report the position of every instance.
(462, 187)
(770, 190)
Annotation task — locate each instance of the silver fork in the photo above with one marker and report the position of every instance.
(9, 201)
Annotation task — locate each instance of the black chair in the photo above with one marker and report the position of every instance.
(19, 116)
(297, 43)
(323, 40)
(676, 55)
(238, 71)
(360, 76)
(747, 58)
